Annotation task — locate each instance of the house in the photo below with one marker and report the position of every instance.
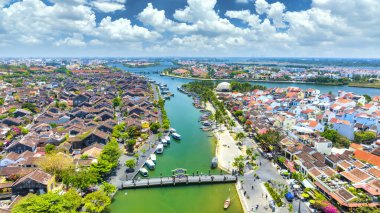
(27, 143)
(80, 99)
(21, 113)
(36, 181)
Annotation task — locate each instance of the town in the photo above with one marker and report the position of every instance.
(63, 131)
(277, 72)
(326, 146)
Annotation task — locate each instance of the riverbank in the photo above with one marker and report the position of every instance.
(365, 85)
(250, 80)
(226, 148)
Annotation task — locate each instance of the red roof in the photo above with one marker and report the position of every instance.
(367, 157)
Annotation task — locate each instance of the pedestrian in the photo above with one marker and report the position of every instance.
(252, 187)
(266, 196)
(245, 192)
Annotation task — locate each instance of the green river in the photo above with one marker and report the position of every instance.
(194, 153)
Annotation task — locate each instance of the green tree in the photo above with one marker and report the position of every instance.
(49, 148)
(81, 179)
(116, 102)
(130, 144)
(96, 202)
(364, 136)
(239, 163)
(367, 98)
(1, 101)
(108, 188)
(49, 202)
(131, 163)
(239, 136)
(154, 127)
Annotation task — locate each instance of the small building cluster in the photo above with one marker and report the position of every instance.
(347, 174)
(75, 113)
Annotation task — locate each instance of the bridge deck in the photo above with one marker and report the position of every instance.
(169, 181)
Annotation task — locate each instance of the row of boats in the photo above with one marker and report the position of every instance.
(152, 160)
(166, 94)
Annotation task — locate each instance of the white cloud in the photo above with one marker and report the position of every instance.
(76, 41)
(261, 6)
(156, 18)
(122, 30)
(108, 6)
(242, 1)
(325, 29)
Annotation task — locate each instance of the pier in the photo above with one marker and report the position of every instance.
(175, 181)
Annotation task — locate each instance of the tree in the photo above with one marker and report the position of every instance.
(49, 202)
(29, 106)
(116, 102)
(49, 148)
(96, 202)
(367, 98)
(239, 136)
(130, 144)
(239, 163)
(108, 188)
(56, 164)
(364, 136)
(131, 163)
(367, 209)
(81, 179)
(1, 101)
(154, 127)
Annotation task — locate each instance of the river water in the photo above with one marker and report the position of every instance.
(194, 153)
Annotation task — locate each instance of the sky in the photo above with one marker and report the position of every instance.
(190, 28)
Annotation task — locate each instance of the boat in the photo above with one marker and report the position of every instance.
(167, 138)
(214, 163)
(227, 203)
(153, 157)
(160, 149)
(172, 130)
(143, 172)
(164, 142)
(176, 136)
(150, 164)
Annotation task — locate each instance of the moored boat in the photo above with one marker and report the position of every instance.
(176, 136)
(227, 203)
(214, 162)
(143, 172)
(160, 149)
(150, 164)
(153, 158)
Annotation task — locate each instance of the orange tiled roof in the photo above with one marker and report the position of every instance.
(367, 157)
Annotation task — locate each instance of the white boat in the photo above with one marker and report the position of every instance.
(150, 164)
(172, 130)
(160, 149)
(227, 203)
(153, 157)
(164, 142)
(144, 172)
(167, 138)
(176, 136)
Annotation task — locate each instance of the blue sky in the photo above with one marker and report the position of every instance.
(247, 28)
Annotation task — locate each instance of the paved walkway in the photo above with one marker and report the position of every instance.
(226, 149)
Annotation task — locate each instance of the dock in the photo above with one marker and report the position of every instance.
(175, 181)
